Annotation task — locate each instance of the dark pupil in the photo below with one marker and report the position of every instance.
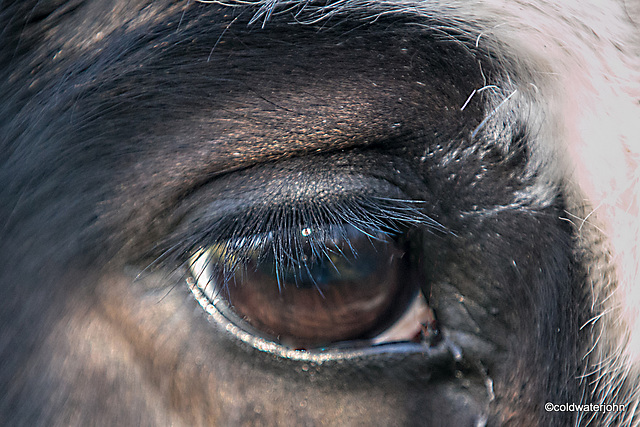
(349, 291)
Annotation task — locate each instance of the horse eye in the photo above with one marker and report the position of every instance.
(332, 287)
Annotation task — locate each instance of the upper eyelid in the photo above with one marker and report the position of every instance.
(261, 191)
(299, 192)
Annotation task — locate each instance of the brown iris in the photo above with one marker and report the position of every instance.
(349, 289)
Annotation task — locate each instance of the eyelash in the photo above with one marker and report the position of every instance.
(283, 231)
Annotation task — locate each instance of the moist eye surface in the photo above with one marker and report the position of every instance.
(348, 286)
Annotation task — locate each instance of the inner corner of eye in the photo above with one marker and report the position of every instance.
(326, 288)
